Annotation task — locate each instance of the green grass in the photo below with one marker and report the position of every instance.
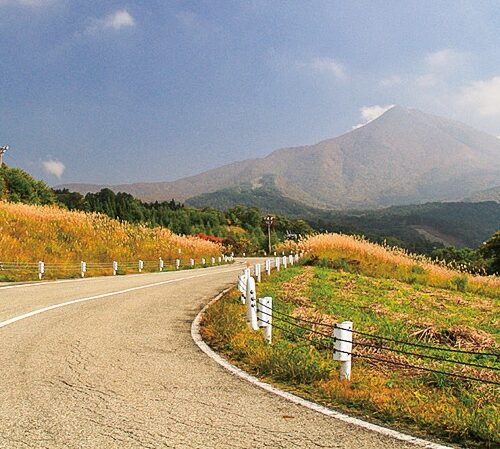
(458, 411)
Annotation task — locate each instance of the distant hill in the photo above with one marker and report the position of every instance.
(405, 156)
(492, 194)
(266, 198)
(417, 227)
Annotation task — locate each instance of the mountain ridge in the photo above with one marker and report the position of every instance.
(404, 156)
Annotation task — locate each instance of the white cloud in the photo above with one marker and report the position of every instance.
(444, 58)
(482, 97)
(114, 21)
(53, 167)
(370, 113)
(329, 65)
(427, 81)
(391, 81)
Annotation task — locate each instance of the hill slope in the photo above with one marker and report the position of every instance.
(492, 194)
(404, 156)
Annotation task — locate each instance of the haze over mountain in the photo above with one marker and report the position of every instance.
(404, 156)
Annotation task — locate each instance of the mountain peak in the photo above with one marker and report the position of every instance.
(404, 156)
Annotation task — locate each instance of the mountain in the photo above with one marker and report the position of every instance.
(492, 194)
(405, 156)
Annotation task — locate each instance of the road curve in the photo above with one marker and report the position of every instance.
(118, 368)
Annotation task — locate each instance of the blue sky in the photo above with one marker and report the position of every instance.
(125, 91)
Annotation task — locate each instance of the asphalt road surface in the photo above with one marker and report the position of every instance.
(121, 370)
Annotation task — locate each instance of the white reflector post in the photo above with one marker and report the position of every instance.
(203, 261)
(161, 264)
(141, 266)
(265, 317)
(268, 267)
(192, 262)
(83, 268)
(252, 303)
(177, 263)
(343, 348)
(242, 287)
(257, 272)
(115, 267)
(41, 269)
(213, 260)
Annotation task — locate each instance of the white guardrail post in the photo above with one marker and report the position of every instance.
(265, 320)
(284, 259)
(161, 264)
(41, 269)
(343, 348)
(290, 259)
(213, 260)
(141, 266)
(220, 259)
(115, 267)
(191, 261)
(268, 267)
(83, 268)
(258, 272)
(252, 303)
(177, 263)
(242, 286)
(277, 263)
(203, 261)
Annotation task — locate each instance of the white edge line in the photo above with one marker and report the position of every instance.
(101, 278)
(105, 295)
(196, 336)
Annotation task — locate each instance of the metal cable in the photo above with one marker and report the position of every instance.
(405, 365)
(385, 348)
(402, 342)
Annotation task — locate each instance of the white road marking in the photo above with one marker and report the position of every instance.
(95, 278)
(196, 336)
(105, 295)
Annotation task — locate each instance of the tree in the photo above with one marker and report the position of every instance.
(491, 251)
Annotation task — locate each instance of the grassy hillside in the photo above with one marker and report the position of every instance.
(389, 295)
(343, 251)
(62, 239)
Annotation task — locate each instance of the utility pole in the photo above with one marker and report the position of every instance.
(269, 221)
(2, 152)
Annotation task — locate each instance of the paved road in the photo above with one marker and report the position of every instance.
(122, 371)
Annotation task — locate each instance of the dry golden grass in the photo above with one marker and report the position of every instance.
(56, 236)
(392, 262)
